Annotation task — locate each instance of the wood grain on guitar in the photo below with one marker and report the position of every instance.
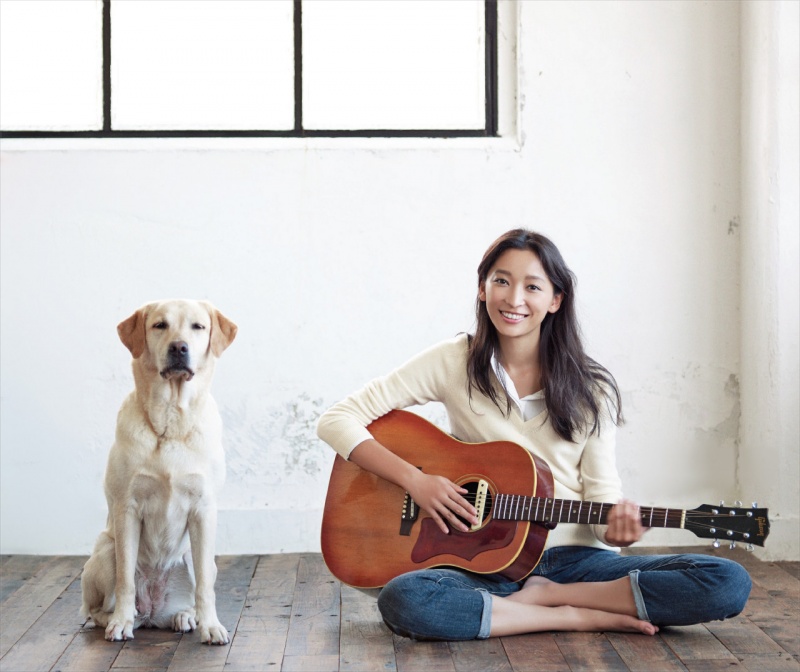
(373, 531)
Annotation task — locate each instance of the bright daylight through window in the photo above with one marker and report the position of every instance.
(138, 68)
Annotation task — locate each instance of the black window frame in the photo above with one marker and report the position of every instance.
(490, 129)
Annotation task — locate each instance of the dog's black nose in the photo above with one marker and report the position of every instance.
(178, 349)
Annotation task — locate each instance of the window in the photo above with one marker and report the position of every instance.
(231, 68)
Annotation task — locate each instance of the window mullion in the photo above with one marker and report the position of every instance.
(107, 66)
(491, 67)
(298, 67)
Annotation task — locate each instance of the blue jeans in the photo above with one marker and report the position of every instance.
(450, 604)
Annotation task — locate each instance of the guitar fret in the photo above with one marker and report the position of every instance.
(554, 510)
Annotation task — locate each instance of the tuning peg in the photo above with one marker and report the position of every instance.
(737, 503)
(750, 547)
(729, 533)
(715, 544)
(755, 505)
(733, 544)
(722, 502)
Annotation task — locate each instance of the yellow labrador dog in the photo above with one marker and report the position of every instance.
(153, 566)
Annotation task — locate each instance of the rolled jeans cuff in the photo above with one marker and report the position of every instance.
(486, 616)
(641, 610)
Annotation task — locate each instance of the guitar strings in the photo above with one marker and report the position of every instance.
(548, 503)
(647, 514)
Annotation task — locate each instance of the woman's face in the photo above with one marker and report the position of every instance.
(518, 295)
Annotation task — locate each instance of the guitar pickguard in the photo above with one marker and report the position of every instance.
(466, 545)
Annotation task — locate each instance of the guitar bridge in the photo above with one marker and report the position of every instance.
(480, 502)
(409, 515)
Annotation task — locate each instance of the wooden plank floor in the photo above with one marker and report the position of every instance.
(286, 612)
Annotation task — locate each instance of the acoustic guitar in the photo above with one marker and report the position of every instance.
(373, 531)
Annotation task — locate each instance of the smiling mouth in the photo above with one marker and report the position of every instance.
(516, 317)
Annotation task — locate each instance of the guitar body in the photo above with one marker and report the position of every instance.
(368, 538)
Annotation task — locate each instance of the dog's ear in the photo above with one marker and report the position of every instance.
(132, 333)
(223, 331)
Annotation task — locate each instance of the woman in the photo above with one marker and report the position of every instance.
(524, 377)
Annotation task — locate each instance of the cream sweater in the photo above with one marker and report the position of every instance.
(585, 470)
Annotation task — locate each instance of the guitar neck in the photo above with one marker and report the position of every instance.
(546, 510)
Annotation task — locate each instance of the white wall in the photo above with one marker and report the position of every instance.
(340, 259)
(770, 296)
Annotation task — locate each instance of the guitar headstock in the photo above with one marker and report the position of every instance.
(730, 523)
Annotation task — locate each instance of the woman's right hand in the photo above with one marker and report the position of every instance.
(443, 500)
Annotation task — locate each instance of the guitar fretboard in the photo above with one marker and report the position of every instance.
(546, 510)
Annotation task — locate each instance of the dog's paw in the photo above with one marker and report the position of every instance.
(215, 634)
(119, 629)
(184, 621)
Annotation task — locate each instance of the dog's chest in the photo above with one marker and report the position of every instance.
(151, 490)
(171, 481)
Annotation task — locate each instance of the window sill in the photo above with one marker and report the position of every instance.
(502, 144)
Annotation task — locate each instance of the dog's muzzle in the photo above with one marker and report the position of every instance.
(177, 362)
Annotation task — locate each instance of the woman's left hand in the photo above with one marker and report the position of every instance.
(624, 524)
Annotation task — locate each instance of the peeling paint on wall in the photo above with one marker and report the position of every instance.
(698, 460)
(274, 457)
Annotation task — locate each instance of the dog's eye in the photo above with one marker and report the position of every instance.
(197, 325)
(160, 325)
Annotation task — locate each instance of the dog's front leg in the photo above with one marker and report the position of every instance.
(202, 533)
(127, 530)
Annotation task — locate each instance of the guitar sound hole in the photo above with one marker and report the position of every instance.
(472, 490)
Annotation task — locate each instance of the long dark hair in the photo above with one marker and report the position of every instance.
(575, 385)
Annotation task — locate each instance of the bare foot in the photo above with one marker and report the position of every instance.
(606, 596)
(514, 618)
(592, 620)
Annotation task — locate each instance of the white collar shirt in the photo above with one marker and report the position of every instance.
(529, 406)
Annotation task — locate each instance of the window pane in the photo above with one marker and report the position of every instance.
(51, 72)
(202, 64)
(393, 64)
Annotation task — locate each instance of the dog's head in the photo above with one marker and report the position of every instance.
(177, 337)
